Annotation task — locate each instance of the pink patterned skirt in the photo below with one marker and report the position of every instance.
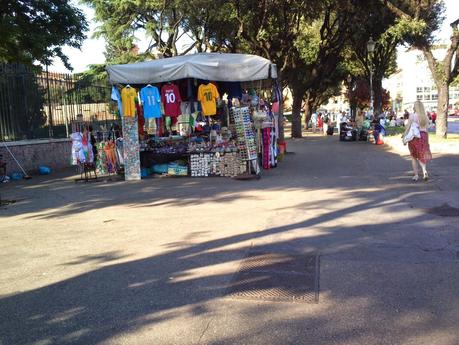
(420, 149)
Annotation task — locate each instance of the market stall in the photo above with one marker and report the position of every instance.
(198, 115)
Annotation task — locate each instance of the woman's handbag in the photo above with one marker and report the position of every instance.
(412, 133)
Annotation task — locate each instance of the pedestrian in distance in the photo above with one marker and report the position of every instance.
(419, 147)
(320, 122)
(434, 117)
(325, 124)
(359, 118)
(314, 122)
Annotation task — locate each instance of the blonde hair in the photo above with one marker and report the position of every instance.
(422, 116)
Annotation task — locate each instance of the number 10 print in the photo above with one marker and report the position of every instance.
(170, 98)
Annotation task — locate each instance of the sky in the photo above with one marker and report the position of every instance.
(92, 51)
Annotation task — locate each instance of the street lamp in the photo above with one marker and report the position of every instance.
(349, 85)
(370, 49)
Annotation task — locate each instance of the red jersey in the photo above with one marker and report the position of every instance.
(170, 97)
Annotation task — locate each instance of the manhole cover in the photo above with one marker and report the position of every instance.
(444, 210)
(277, 277)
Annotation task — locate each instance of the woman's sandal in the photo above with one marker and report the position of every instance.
(415, 178)
(426, 176)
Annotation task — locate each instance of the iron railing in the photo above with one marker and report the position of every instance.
(45, 105)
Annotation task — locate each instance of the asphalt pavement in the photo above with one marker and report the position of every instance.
(150, 262)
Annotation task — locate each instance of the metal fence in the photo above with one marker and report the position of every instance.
(45, 104)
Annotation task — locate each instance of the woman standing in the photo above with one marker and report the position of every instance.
(320, 122)
(419, 147)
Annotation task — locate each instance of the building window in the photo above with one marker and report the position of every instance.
(426, 89)
(419, 89)
(427, 97)
(434, 97)
(419, 97)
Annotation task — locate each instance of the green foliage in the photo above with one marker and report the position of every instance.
(394, 131)
(209, 22)
(36, 30)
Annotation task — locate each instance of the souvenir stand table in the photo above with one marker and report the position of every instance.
(211, 157)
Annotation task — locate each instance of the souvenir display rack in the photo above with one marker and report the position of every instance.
(245, 135)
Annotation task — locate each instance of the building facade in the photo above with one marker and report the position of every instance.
(414, 82)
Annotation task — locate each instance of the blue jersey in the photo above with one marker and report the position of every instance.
(117, 97)
(151, 101)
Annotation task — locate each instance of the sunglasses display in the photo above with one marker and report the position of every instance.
(245, 136)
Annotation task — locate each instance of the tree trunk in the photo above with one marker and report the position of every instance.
(296, 112)
(307, 110)
(353, 111)
(377, 90)
(441, 127)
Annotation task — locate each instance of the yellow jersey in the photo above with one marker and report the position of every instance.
(128, 95)
(207, 95)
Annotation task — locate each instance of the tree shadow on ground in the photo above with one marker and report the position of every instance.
(314, 170)
(101, 304)
(188, 282)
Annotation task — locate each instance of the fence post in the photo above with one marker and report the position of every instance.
(50, 115)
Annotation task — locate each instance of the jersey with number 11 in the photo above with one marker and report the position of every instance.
(150, 98)
(170, 97)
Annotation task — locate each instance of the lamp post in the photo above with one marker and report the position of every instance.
(370, 49)
(349, 85)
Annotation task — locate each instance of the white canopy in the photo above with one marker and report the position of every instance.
(206, 66)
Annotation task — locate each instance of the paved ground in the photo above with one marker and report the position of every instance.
(149, 262)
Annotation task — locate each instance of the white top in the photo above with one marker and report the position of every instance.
(414, 118)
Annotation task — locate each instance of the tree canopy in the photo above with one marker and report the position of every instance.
(315, 44)
(36, 30)
(425, 17)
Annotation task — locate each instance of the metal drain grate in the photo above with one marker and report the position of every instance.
(444, 210)
(277, 277)
(4, 202)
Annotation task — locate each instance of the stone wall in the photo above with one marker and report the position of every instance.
(54, 153)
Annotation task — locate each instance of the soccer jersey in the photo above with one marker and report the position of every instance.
(170, 97)
(207, 95)
(151, 99)
(128, 95)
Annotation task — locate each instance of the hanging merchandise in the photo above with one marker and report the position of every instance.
(110, 155)
(185, 127)
(276, 98)
(266, 154)
(245, 135)
(140, 118)
(150, 97)
(208, 95)
(107, 161)
(101, 162)
(170, 97)
(81, 148)
(117, 98)
(77, 148)
(128, 96)
(232, 89)
(119, 150)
